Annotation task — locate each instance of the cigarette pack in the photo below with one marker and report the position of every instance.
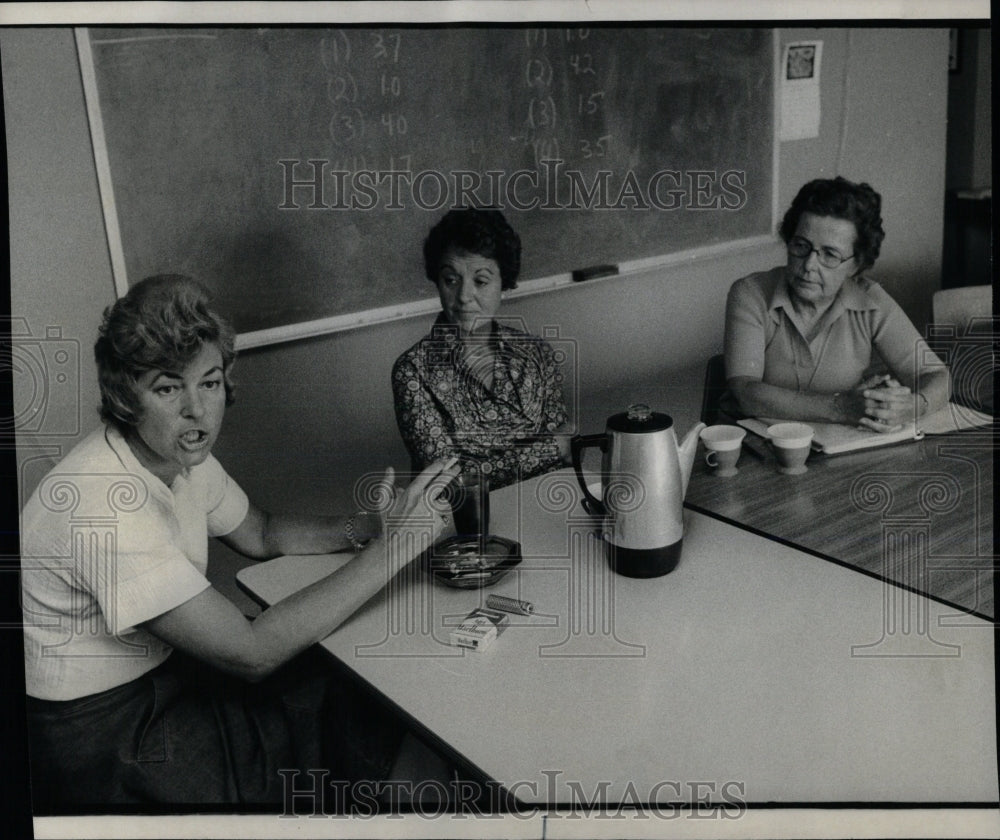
(479, 628)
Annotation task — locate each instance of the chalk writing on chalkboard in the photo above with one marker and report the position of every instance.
(297, 170)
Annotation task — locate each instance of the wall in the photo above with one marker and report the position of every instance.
(969, 163)
(883, 121)
(982, 159)
(312, 416)
(968, 231)
(60, 269)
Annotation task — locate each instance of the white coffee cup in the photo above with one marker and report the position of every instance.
(791, 443)
(722, 445)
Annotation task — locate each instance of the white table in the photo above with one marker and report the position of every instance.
(767, 674)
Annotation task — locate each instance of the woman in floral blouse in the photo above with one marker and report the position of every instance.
(474, 387)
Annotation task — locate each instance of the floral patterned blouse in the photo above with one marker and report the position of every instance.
(443, 407)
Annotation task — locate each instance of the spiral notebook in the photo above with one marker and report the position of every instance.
(835, 438)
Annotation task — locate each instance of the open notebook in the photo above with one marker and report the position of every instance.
(834, 438)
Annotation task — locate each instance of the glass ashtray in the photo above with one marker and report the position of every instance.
(464, 563)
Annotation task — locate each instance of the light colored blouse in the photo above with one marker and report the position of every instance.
(105, 546)
(764, 342)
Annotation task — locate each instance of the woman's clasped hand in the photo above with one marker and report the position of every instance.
(880, 403)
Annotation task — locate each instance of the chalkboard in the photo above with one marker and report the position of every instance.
(296, 171)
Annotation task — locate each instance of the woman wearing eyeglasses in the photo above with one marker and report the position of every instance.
(801, 338)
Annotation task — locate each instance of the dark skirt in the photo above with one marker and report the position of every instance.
(185, 734)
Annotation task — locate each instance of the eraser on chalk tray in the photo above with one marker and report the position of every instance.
(479, 628)
(593, 272)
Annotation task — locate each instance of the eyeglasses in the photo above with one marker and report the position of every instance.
(800, 247)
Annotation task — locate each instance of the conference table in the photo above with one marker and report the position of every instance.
(765, 669)
(917, 514)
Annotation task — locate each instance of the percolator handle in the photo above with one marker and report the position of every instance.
(591, 504)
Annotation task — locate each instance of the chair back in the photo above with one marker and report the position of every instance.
(964, 335)
(958, 307)
(713, 389)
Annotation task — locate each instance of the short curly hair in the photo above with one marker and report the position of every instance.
(481, 231)
(841, 199)
(161, 324)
